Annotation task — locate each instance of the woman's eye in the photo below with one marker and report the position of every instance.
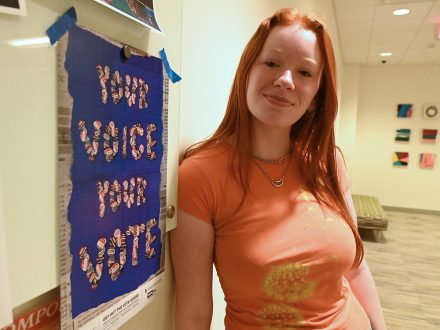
(270, 64)
(305, 73)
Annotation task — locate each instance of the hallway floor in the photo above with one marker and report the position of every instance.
(406, 270)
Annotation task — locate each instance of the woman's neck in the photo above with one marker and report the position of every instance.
(271, 143)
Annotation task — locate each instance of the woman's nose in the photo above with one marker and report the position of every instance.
(285, 80)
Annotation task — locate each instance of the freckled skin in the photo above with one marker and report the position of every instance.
(284, 78)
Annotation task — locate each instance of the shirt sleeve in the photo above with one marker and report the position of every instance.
(195, 193)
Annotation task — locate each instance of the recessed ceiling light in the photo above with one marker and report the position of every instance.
(386, 54)
(400, 12)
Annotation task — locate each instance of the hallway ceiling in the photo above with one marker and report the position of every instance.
(368, 28)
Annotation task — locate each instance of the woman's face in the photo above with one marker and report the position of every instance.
(284, 78)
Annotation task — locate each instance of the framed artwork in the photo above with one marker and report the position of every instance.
(427, 160)
(400, 159)
(429, 135)
(13, 7)
(431, 111)
(404, 110)
(402, 135)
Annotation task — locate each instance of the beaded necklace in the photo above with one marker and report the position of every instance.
(277, 183)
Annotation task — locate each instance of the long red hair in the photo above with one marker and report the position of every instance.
(313, 135)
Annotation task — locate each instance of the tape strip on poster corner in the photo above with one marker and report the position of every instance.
(174, 77)
(62, 25)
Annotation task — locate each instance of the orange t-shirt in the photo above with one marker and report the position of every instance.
(281, 257)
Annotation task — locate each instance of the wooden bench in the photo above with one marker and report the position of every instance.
(370, 215)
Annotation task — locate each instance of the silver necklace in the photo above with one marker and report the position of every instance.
(280, 160)
(277, 183)
(271, 161)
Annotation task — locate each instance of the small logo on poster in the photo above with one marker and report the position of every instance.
(151, 293)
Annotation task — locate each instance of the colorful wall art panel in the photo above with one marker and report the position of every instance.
(112, 133)
(429, 135)
(431, 111)
(141, 11)
(404, 110)
(402, 135)
(427, 160)
(400, 159)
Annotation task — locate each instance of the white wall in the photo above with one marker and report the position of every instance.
(348, 111)
(380, 90)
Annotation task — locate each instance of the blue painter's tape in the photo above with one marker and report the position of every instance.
(171, 74)
(62, 25)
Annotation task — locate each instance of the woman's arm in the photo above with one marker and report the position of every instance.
(362, 284)
(192, 245)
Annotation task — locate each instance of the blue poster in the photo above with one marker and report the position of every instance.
(118, 146)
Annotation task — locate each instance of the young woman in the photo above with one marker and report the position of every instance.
(266, 198)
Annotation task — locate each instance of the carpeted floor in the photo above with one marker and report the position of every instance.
(406, 269)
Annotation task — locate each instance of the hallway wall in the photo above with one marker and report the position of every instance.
(380, 90)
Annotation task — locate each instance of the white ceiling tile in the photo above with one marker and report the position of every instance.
(350, 41)
(355, 14)
(403, 37)
(425, 37)
(367, 28)
(353, 56)
(355, 3)
(354, 52)
(397, 25)
(419, 57)
(418, 10)
(354, 28)
(431, 23)
(434, 14)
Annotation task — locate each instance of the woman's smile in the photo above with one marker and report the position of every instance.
(278, 100)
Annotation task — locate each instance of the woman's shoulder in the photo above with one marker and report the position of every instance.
(216, 155)
(202, 178)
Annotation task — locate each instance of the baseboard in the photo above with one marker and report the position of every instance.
(408, 210)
